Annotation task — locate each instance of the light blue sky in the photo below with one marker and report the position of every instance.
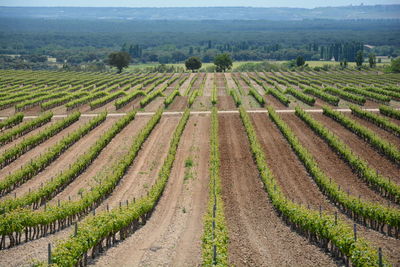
(192, 3)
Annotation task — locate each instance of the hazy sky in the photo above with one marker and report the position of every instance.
(192, 3)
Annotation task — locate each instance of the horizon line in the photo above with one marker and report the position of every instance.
(297, 7)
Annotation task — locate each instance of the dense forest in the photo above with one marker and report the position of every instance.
(75, 41)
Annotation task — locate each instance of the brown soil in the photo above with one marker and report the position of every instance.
(275, 103)
(26, 254)
(334, 167)
(291, 175)
(100, 167)
(330, 162)
(155, 104)
(185, 85)
(386, 135)
(38, 150)
(362, 148)
(225, 103)
(257, 235)
(64, 161)
(29, 134)
(144, 170)
(172, 236)
(179, 103)
(208, 86)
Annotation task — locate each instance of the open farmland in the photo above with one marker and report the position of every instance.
(191, 169)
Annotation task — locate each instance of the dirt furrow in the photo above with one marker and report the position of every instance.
(362, 148)
(386, 135)
(172, 236)
(26, 254)
(179, 103)
(31, 133)
(40, 149)
(258, 237)
(284, 164)
(100, 167)
(64, 161)
(143, 172)
(336, 170)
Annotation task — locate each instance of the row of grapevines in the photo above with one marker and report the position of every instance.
(169, 99)
(40, 221)
(106, 99)
(61, 101)
(395, 95)
(301, 96)
(392, 88)
(95, 229)
(380, 144)
(214, 95)
(11, 96)
(236, 97)
(376, 119)
(30, 103)
(10, 102)
(192, 97)
(334, 100)
(215, 236)
(121, 102)
(24, 128)
(368, 94)
(190, 85)
(253, 92)
(157, 83)
(278, 95)
(309, 222)
(38, 164)
(11, 121)
(150, 96)
(376, 214)
(84, 100)
(14, 152)
(390, 112)
(346, 96)
(369, 175)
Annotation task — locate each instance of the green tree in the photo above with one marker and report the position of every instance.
(300, 61)
(372, 60)
(223, 62)
(359, 58)
(119, 60)
(395, 65)
(193, 63)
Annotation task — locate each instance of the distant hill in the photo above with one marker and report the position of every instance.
(204, 13)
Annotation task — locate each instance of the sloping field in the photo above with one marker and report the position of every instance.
(200, 169)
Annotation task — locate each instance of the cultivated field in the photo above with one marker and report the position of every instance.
(244, 169)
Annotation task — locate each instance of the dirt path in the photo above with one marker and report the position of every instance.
(143, 172)
(29, 134)
(179, 103)
(275, 103)
(362, 148)
(334, 167)
(172, 236)
(64, 161)
(257, 235)
(42, 148)
(26, 254)
(99, 168)
(208, 86)
(330, 162)
(284, 164)
(185, 85)
(386, 135)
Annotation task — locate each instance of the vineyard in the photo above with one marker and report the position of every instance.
(199, 169)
